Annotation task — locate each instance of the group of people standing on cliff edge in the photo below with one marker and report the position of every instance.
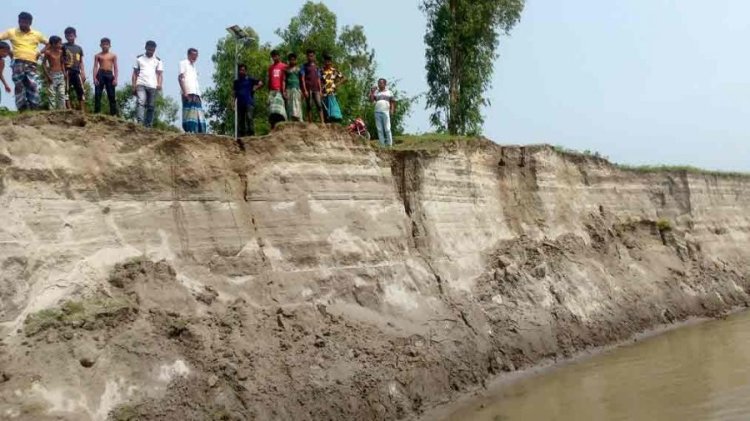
(293, 88)
(64, 74)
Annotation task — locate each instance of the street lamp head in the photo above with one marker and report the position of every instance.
(240, 34)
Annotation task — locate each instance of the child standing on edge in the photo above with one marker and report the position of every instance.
(73, 59)
(4, 52)
(310, 76)
(52, 64)
(293, 93)
(105, 77)
(276, 86)
(331, 79)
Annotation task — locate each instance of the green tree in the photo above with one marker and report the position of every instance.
(314, 27)
(462, 40)
(219, 98)
(357, 61)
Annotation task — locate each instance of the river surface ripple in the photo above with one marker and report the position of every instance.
(699, 372)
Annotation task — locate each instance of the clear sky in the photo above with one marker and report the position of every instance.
(641, 81)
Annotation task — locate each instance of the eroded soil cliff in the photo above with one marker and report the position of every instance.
(305, 275)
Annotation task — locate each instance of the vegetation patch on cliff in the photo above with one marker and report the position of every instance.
(436, 142)
(88, 314)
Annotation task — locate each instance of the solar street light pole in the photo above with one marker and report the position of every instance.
(241, 37)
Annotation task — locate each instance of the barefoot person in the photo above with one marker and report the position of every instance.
(54, 74)
(385, 106)
(105, 77)
(331, 79)
(75, 73)
(25, 42)
(311, 88)
(276, 87)
(148, 74)
(193, 118)
(244, 100)
(293, 93)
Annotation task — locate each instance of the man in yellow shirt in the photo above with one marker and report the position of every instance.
(25, 42)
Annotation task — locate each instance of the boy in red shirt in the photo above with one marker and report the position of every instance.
(276, 86)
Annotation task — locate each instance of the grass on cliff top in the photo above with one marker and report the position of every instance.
(681, 168)
(649, 169)
(430, 141)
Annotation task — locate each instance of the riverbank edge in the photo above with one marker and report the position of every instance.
(481, 392)
(437, 370)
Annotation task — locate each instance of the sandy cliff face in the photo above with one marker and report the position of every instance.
(156, 276)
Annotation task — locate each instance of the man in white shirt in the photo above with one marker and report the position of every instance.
(193, 117)
(147, 81)
(385, 107)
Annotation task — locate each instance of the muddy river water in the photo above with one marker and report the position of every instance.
(699, 372)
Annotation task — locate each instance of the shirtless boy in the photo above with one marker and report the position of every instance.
(105, 77)
(54, 73)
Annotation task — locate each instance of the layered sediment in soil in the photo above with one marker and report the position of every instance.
(306, 275)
